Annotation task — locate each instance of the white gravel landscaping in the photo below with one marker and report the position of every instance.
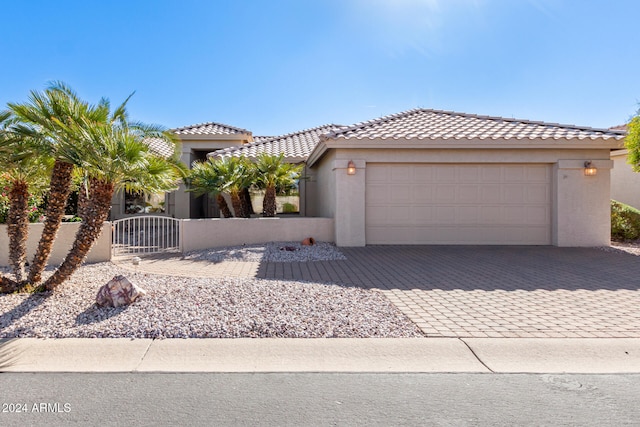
(176, 307)
(270, 252)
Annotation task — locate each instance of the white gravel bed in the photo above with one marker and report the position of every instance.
(270, 252)
(632, 248)
(177, 307)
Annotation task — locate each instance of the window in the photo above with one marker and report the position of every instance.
(139, 202)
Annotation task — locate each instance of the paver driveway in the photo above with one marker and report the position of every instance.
(492, 291)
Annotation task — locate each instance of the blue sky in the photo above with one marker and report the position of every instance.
(278, 66)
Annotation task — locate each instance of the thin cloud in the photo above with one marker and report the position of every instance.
(399, 26)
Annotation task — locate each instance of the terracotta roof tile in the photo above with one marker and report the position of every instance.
(210, 128)
(437, 124)
(160, 147)
(295, 146)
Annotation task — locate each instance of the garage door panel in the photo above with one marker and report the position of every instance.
(491, 193)
(514, 194)
(538, 193)
(491, 174)
(445, 193)
(422, 194)
(538, 174)
(444, 174)
(444, 215)
(468, 193)
(378, 194)
(423, 175)
(458, 204)
(538, 215)
(469, 174)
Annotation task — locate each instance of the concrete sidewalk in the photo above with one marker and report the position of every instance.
(385, 355)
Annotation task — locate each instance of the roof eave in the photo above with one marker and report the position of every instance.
(215, 137)
(571, 143)
(317, 153)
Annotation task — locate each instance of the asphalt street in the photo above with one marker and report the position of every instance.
(323, 399)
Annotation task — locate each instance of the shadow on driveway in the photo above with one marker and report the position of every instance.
(469, 268)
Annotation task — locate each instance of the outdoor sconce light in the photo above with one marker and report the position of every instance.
(589, 168)
(351, 168)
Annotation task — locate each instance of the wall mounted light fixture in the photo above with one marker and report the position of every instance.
(589, 168)
(351, 168)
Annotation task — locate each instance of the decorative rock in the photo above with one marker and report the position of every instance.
(309, 241)
(118, 291)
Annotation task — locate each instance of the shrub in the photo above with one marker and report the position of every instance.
(289, 208)
(35, 207)
(625, 221)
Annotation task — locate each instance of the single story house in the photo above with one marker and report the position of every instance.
(427, 176)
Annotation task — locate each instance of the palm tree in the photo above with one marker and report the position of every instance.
(115, 156)
(205, 178)
(236, 176)
(26, 173)
(273, 173)
(46, 118)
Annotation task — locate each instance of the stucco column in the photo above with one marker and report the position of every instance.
(581, 209)
(350, 204)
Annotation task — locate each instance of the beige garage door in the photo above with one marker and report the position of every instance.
(458, 204)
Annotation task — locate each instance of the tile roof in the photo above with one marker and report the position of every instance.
(210, 128)
(295, 146)
(446, 125)
(160, 147)
(619, 127)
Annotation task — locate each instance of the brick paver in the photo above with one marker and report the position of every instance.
(498, 291)
(477, 291)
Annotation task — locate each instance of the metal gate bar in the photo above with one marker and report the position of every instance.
(146, 235)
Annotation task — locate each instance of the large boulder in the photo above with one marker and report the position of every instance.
(118, 291)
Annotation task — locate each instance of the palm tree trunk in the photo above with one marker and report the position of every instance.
(245, 200)
(7, 285)
(248, 204)
(59, 190)
(18, 228)
(269, 202)
(222, 205)
(236, 202)
(83, 200)
(89, 231)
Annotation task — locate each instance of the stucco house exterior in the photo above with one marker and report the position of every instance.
(437, 177)
(196, 141)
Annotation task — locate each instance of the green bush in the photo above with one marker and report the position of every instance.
(625, 221)
(289, 208)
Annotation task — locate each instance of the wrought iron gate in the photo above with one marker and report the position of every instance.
(146, 235)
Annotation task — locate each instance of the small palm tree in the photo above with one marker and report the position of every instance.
(115, 156)
(236, 175)
(273, 173)
(205, 178)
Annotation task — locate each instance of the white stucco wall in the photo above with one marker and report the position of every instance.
(218, 232)
(350, 203)
(320, 189)
(100, 252)
(625, 183)
(582, 210)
